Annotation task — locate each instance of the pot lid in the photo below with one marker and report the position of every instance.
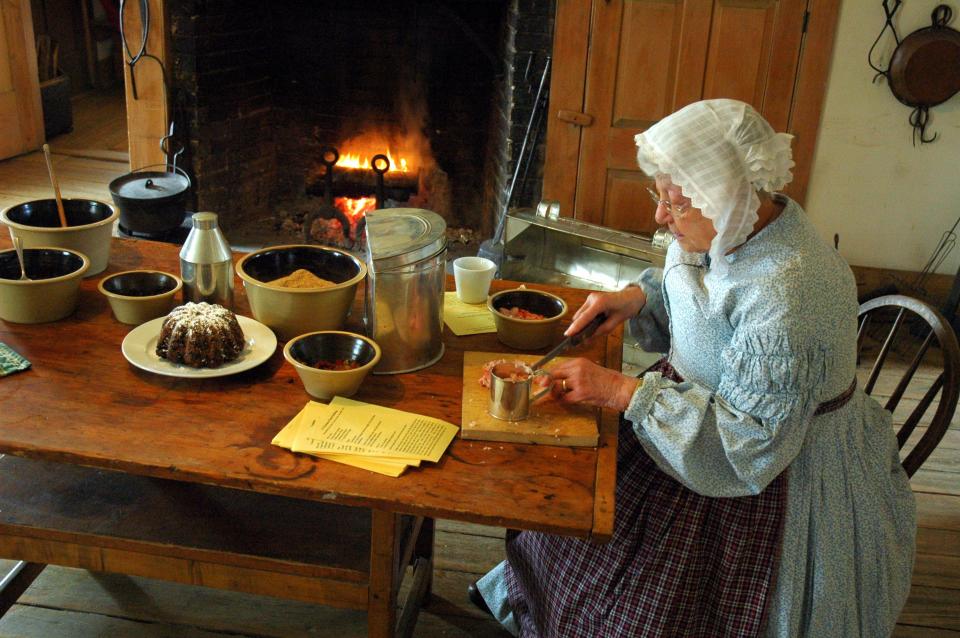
(403, 236)
(149, 185)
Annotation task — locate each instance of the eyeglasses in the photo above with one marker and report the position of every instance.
(677, 211)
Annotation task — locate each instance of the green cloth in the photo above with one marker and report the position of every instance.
(11, 361)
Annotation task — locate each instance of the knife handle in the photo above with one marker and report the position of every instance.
(588, 330)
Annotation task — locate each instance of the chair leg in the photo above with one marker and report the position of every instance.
(16, 582)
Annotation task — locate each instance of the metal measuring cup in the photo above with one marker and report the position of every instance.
(511, 384)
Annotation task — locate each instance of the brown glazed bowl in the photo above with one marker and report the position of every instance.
(306, 351)
(527, 334)
(296, 311)
(137, 296)
(52, 291)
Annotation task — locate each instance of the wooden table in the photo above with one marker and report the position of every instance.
(197, 493)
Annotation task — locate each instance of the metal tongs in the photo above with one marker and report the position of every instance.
(571, 341)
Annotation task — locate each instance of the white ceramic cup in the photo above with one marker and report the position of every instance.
(473, 276)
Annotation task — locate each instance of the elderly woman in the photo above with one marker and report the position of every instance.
(759, 491)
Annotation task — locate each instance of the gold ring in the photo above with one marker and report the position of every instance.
(563, 385)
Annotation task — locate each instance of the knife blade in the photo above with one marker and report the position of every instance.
(571, 341)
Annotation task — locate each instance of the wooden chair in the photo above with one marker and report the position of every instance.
(932, 326)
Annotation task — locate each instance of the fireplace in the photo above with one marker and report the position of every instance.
(265, 94)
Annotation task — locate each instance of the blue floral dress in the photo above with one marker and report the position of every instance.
(757, 350)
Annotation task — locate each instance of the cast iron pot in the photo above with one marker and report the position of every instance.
(151, 202)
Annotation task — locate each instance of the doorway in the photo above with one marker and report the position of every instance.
(80, 64)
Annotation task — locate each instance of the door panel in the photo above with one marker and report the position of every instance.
(738, 61)
(643, 55)
(21, 117)
(648, 58)
(630, 208)
(646, 62)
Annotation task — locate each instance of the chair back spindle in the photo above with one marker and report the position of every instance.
(946, 384)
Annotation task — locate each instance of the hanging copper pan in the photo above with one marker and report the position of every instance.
(925, 67)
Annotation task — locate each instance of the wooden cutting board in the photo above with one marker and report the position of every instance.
(549, 423)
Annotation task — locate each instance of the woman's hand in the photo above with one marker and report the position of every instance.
(619, 306)
(582, 381)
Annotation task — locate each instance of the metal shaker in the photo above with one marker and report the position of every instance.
(206, 265)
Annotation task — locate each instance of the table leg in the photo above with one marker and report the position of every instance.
(16, 581)
(424, 550)
(384, 557)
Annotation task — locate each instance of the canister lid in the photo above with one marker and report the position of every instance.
(403, 236)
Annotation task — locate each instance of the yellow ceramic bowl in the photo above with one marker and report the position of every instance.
(89, 227)
(52, 291)
(527, 334)
(296, 311)
(312, 352)
(137, 296)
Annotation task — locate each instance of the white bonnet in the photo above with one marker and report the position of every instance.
(719, 152)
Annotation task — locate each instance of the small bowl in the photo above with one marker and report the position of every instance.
(52, 291)
(295, 311)
(527, 334)
(137, 296)
(89, 227)
(305, 351)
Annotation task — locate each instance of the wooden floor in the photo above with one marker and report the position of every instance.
(77, 604)
(99, 126)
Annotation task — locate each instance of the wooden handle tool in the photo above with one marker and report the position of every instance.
(56, 187)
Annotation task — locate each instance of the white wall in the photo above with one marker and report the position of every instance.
(889, 201)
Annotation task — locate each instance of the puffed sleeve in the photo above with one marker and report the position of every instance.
(650, 327)
(735, 441)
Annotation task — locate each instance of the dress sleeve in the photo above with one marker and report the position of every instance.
(735, 441)
(650, 327)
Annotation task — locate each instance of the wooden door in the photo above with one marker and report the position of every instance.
(646, 59)
(148, 113)
(21, 116)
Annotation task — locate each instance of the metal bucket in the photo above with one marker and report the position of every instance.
(406, 262)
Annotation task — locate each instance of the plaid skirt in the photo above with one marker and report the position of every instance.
(678, 564)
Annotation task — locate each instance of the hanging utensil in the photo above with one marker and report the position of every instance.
(166, 145)
(944, 247)
(571, 342)
(385, 162)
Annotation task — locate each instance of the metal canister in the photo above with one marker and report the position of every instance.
(406, 264)
(206, 265)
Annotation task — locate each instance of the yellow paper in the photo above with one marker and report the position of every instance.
(387, 466)
(372, 430)
(367, 463)
(466, 319)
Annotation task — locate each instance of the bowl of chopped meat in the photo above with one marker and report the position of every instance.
(526, 319)
(331, 362)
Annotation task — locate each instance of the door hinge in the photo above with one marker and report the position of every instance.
(806, 21)
(575, 117)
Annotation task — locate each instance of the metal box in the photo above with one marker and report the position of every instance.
(541, 247)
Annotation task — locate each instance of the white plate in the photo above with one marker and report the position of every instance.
(140, 349)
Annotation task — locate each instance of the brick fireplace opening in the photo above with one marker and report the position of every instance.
(443, 88)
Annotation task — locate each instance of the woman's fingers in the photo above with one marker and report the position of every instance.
(594, 305)
(582, 381)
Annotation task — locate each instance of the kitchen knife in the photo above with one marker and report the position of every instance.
(571, 341)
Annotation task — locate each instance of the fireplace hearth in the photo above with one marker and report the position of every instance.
(440, 88)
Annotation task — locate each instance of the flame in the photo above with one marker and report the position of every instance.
(357, 160)
(355, 208)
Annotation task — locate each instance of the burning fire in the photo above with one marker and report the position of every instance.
(356, 160)
(355, 208)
